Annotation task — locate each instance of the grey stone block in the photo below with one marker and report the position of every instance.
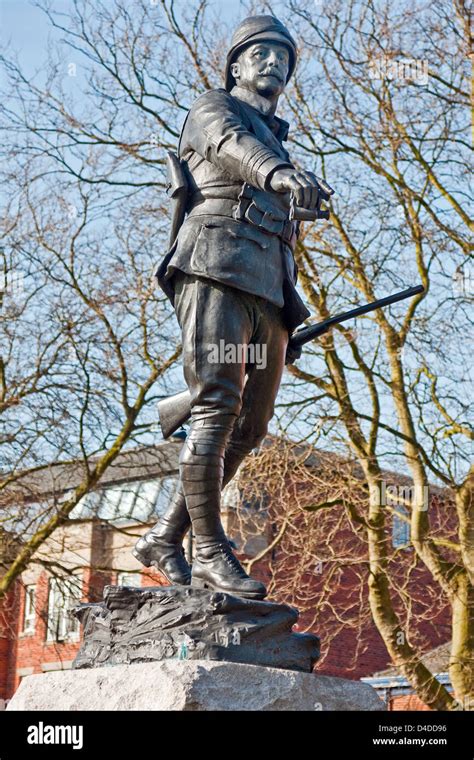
(191, 685)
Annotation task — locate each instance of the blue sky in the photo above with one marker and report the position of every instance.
(28, 28)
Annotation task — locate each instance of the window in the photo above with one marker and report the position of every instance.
(64, 593)
(140, 500)
(29, 612)
(165, 491)
(129, 579)
(400, 529)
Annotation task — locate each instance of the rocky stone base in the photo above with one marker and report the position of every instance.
(191, 686)
(135, 625)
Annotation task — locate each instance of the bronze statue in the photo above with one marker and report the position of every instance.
(230, 274)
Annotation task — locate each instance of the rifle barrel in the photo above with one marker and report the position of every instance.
(306, 334)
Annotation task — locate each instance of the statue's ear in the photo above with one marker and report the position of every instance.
(235, 70)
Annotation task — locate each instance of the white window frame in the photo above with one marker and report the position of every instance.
(63, 594)
(29, 611)
(123, 579)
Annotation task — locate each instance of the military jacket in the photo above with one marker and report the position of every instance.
(237, 230)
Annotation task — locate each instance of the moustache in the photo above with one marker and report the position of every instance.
(271, 74)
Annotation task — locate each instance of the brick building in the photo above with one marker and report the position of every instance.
(37, 633)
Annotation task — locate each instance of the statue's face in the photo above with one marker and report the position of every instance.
(262, 67)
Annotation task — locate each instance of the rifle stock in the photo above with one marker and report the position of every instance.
(173, 412)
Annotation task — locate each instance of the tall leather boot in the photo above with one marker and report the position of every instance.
(162, 545)
(202, 470)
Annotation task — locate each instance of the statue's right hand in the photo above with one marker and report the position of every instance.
(292, 354)
(307, 188)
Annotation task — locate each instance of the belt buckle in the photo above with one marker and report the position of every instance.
(270, 224)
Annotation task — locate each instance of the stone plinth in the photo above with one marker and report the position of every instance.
(191, 686)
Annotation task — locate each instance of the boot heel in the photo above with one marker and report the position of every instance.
(198, 583)
(140, 557)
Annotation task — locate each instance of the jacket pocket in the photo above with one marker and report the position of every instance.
(231, 251)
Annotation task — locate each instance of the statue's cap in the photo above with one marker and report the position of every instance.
(253, 29)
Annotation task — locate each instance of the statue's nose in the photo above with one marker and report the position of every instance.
(274, 67)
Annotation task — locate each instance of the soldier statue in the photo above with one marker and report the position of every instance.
(230, 274)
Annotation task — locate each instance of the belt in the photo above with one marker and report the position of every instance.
(231, 208)
(213, 207)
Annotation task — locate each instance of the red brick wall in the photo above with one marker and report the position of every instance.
(151, 577)
(408, 702)
(32, 650)
(9, 617)
(4, 648)
(94, 583)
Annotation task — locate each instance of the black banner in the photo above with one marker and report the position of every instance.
(122, 735)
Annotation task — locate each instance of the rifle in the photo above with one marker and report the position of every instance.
(175, 410)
